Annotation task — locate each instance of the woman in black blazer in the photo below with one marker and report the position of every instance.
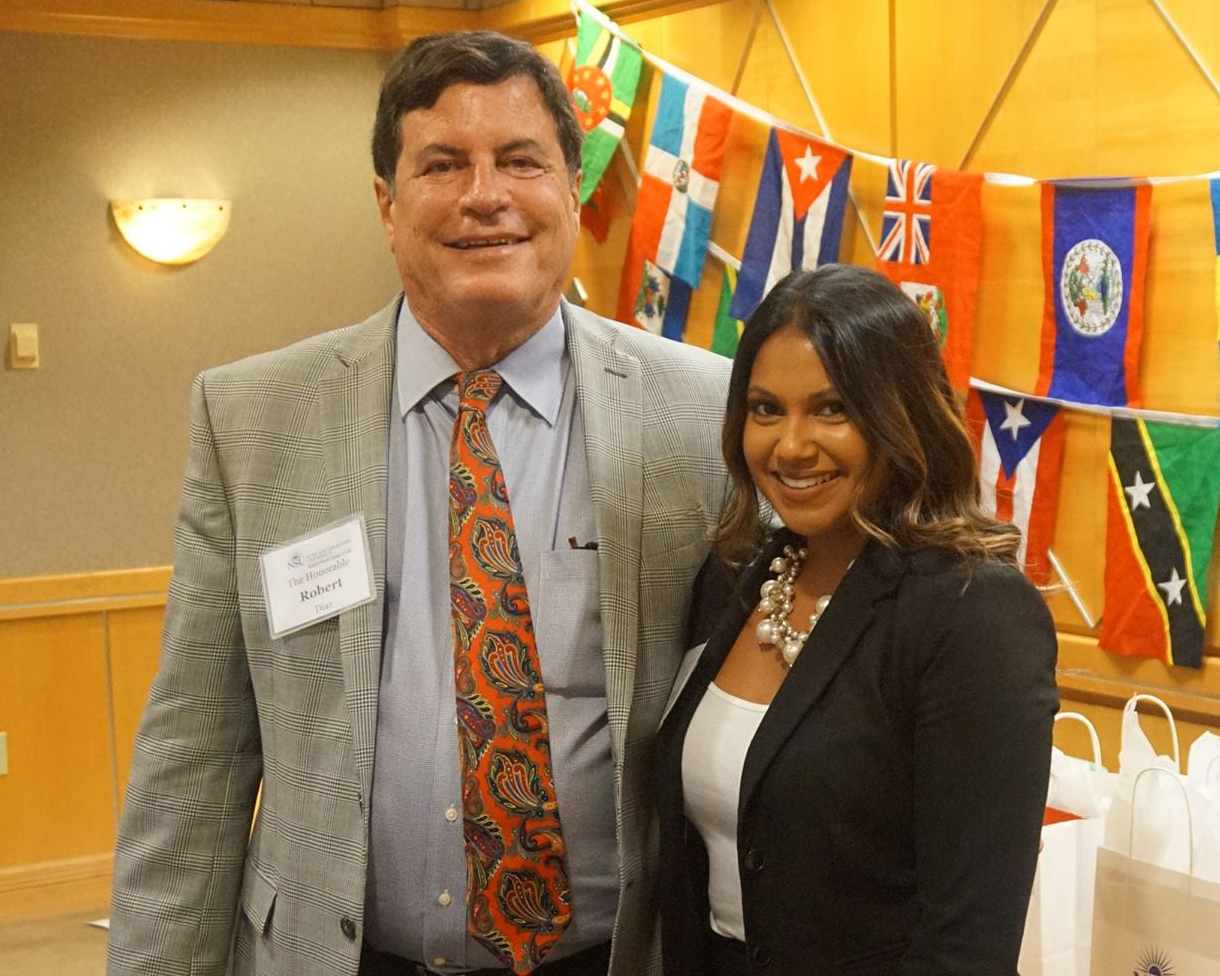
(851, 779)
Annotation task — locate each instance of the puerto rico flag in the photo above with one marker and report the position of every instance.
(673, 210)
(798, 215)
(931, 247)
(1094, 256)
(1020, 448)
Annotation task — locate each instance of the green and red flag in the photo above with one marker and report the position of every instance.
(603, 81)
(1163, 495)
(726, 330)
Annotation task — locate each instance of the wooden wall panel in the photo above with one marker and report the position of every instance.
(57, 800)
(135, 651)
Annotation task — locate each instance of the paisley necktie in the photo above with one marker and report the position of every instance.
(517, 885)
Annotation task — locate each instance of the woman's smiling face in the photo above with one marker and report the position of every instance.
(802, 451)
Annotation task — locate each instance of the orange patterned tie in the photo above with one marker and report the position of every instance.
(517, 886)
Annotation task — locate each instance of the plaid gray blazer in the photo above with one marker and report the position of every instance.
(280, 445)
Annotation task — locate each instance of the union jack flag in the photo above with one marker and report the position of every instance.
(906, 222)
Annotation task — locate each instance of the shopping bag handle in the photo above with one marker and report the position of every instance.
(1173, 726)
(1190, 826)
(1077, 717)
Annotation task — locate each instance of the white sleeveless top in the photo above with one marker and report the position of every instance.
(713, 756)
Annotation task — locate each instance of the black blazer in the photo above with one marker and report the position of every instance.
(892, 797)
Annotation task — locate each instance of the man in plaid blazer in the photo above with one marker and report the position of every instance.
(478, 190)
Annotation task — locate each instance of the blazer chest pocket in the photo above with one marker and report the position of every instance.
(567, 621)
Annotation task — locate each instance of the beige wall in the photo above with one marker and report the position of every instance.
(92, 445)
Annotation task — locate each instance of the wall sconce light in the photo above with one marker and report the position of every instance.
(172, 231)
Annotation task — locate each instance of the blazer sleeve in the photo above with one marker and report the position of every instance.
(985, 700)
(198, 761)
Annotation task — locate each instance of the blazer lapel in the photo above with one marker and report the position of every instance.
(874, 574)
(354, 414)
(608, 392)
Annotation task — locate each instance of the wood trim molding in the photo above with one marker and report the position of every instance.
(73, 593)
(1089, 674)
(302, 25)
(287, 25)
(85, 868)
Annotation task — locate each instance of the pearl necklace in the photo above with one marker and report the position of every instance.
(776, 606)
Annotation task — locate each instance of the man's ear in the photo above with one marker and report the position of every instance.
(385, 207)
(576, 192)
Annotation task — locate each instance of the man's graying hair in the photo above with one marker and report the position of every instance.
(430, 64)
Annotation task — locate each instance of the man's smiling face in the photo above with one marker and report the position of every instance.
(484, 214)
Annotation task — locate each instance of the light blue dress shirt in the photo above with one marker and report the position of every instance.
(416, 896)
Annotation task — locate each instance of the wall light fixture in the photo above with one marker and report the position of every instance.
(172, 230)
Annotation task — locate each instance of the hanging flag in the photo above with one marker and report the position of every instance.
(1215, 188)
(726, 330)
(603, 81)
(798, 215)
(1019, 443)
(662, 303)
(595, 215)
(931, 242)
(673, 210)
(1162, 499)
(1094, 255)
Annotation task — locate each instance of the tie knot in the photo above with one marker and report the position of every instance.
(478, 388)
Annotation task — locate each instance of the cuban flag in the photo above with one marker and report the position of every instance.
(1019, 443)
(906, 222)
(798, 215)
(1094, 259)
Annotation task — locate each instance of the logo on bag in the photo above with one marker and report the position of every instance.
(1153, 962)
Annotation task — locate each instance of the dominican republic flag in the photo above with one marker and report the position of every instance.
(673, 210)
(931, 247)
(1020, 448)
(1094, 256)
(1162, 497)
(798, 215)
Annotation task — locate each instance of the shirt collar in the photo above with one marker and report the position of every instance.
(534, 371)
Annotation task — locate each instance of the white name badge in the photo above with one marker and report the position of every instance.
(317, 576)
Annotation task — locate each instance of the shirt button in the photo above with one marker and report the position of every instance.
(444, 899)
(348, 927)
(451, 814)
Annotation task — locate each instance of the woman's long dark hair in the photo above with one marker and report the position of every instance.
(883, 358)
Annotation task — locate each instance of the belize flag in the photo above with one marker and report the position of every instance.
(673, 210)
(1094, 257)
(798, 215)
(1020, 448)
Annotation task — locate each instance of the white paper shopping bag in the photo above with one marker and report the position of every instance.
(1060, 917)
(1154, 917)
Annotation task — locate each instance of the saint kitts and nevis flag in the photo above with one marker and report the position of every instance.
(677, 192)
(798, 214)
(1094, 256)
(1162, 498)
(602, 81)
(1019, 444)
(931, 243)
